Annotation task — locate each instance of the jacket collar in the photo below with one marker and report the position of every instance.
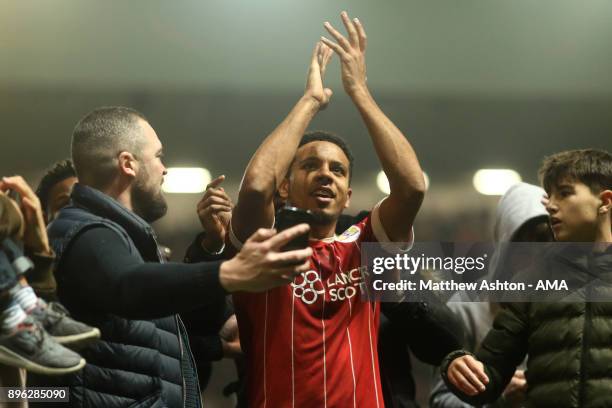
(105, 206)
(581, 254)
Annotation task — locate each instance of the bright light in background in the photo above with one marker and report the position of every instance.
(495, 181)
(383, 182)
(186, 180)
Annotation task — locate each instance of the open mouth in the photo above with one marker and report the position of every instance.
(323, 195)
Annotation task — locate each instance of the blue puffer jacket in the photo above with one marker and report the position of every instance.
(137, 363)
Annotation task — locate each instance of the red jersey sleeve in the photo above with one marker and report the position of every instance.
(370, 229)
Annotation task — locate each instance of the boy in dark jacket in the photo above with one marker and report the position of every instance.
(568, 346)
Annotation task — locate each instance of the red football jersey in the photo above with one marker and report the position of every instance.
(313, 343)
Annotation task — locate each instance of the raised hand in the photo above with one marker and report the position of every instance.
(35, 232)
(215, 212)
(467, 374)
(260, 265)
(316, 73)
(351, 52)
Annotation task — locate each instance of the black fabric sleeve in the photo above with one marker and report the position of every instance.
(207, 348)
(195, 252)
(208, 320)
(430, 329)
(99, 270)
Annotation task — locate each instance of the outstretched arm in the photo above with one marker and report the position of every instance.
(398, 159)
(152, 290)
(271, 161)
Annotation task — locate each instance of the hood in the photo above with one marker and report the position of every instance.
(521, 203)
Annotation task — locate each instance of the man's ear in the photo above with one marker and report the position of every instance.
(606, 201)
(128, 165)
(349, 193)
(283, 189)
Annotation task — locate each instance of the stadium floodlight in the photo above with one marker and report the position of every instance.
(383, 182)
(186, 180)
(495, 181)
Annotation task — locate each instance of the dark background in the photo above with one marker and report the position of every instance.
(473, 84)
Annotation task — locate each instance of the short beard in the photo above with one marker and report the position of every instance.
(321, 218)
(150, 206)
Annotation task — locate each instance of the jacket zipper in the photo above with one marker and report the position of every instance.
(583, 364)
(180, 328)
(180, 337)
(193, 364)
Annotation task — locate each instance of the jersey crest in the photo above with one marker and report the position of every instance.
(350, 235)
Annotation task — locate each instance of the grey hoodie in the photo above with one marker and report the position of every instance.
(520, 204)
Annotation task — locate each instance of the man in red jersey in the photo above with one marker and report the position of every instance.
(313, 343)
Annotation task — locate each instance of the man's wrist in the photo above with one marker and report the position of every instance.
(359, 93)
(312, 103)
(226, 277)
(212, 246)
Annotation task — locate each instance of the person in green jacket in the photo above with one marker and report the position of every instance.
(520, 218)
(569, 345)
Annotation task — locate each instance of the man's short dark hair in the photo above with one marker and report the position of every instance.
(325, 136)
(60, 171)
(591, 167)
(98, 139)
